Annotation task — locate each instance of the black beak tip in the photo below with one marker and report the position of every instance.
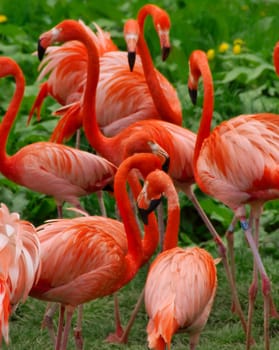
(166, 165)
(193, 95)
(143, 215)
(131, 60)
(41, 50)
(165, 53)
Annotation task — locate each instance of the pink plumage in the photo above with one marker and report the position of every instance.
(19, 264)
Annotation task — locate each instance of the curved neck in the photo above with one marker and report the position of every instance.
(139, 250)
(11, 113)
(199, 66)
(276, 58)
(93, 134)
(159, 99)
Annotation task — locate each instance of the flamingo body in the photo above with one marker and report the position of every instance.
(179, 294)
(19, 261)
(60, 171)
(243, 179)
(73, 251)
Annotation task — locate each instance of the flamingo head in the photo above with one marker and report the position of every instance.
(146, 205)
(162, 25)
(131, 36)
(64, 31)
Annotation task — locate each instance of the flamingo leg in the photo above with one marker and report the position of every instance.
(48, 320)
(253, 290)
(78, 329)
(69, 315)
(230, 244)
(124, 338)
(266, 284)
(60, 328)
(77, 144)
(118, 327)
(222, 252)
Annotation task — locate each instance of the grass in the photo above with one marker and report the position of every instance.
(244, 83)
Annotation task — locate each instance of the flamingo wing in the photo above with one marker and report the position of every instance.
(242, 178)
(69, 259)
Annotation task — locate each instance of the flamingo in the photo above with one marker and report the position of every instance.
(178, 142)
(181, 283)
(56, 170)
(86, 258)
(237, 163)
(120, 92)
(19, 261)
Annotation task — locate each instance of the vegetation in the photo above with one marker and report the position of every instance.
(239, 39)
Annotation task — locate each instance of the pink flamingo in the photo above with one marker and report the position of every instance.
(86, 258)
(237, 163)
(178, 142)
(181, 283)
(19, 261)
(127, 96)
(59, 171)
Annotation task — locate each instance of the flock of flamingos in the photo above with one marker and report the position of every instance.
(132, 118)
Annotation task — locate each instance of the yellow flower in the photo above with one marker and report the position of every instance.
(245, 8)
(238, 42)
(236, 49)
(3, 18)
(223, 47)
(210, 54)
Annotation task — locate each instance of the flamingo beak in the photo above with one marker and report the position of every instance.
(193, 95)
(131, 59)
(143, 213)
(41, 50)
(165, 52)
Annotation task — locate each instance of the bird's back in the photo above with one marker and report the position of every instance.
(79, 262)
(179, 292)
(239, 161)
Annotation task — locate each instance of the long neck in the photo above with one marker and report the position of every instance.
(10, 115)
(139, 249)
(150, 239)
(93, 134)
(159, 99)
(172, 228)
(208, 106)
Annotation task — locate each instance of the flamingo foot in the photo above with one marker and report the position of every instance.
(117, 337)
(273, 311)
(113, 338)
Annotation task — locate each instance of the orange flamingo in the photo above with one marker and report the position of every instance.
(86, 258)
(181, 283)
(178, 142)
(59, 171)
(19, 261)
(237, 163)
(120, 91)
